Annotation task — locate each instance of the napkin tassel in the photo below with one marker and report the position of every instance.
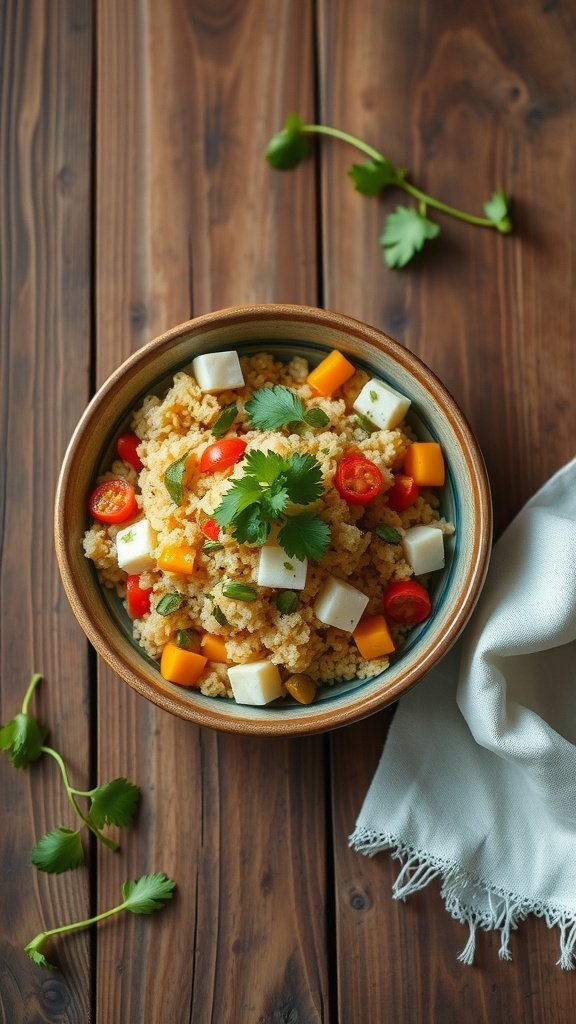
(503, 914)
(567, 943)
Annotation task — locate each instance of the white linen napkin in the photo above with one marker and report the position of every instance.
(477, 781)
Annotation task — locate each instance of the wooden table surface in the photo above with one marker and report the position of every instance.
(134, 195)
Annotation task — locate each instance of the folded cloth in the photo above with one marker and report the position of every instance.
(477, 781)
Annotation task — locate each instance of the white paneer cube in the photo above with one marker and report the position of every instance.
(277, 569)
(218, 371)
(256, 683)
(340, 604)
(424, 549)
(134, 547)
(383, 406)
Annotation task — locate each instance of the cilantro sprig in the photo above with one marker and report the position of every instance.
(144, 895)
(112, 803)
(260, 497)
(278, 406)
(406, 229)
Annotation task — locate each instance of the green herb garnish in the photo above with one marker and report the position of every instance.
(174, 479)
(169, 603)
(142, 896)
(259, 498)
(126, 538)
(387, 533)
(364, 424)
(287, 602)
(219, 616)
(187, 639)
(239, 591)
(225, 420)
(212, 545)
(278, 406)
(406, 229)
(112, 803)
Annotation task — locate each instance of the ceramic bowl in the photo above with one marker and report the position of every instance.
(284, 331)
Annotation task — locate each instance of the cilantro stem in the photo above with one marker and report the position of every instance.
(29, 692)
(71, 793)
(76, 925)
(336, 133)
(416, 193)
(470, 218)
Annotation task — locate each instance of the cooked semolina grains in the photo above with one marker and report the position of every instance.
(181, 422)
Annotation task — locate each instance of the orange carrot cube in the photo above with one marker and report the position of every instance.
(177, 558)
(214, 647)
(330, 374)
(180, 666)
(424, 462)
(372, 637)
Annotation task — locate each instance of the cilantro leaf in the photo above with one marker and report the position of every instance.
(57, 851)
(305, 536)
(142, 896)
(303, 478)
(114, 803)
(372, 176)
(316, 417)
(174, 479)
(496, 209)
(244, 492)
(251, 528)
(265, 467)
(274, 501)
(405, 232)
(288, 147)
(147, 893)
(23, 737)
(261, 495)
(225, 420)
(274, 407)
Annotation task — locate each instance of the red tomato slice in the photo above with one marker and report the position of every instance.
(211, 529)
(403, 493)
(137, 597)
(222, 454)
(407, 602)
(358, 480)
(126, 446)
(113, 501)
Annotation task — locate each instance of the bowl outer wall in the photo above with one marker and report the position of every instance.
(220, 330)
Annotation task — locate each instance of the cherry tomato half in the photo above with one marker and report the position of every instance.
(211, 529)
(137, 597)
(403, 493)
(222, 454)
(357, 480)
(407, 602)
(113, 501)
(126, 446)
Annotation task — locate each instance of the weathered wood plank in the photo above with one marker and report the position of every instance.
(189, 218)
(45, 155)
(467, 99)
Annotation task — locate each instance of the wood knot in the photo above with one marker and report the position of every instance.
(138, 314)
(359, 900)
(54, 998)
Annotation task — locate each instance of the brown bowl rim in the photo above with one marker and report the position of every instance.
(471, 585)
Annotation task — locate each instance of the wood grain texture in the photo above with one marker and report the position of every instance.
(468, 98)
(275, 920)
(189, 218)
(45, 155)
